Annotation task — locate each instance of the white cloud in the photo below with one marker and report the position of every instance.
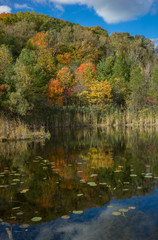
(114, 11)
(5, 9)
(21, 6)
(59, 7)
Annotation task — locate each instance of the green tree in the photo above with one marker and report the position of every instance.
(30, 85)
(153, 90)
(105, 69)
(5, 60)
(138, 90)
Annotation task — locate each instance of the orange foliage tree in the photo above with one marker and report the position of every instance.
(3, 88)
(55, 92)
(4, 15)
(67, 80)
(64, 59)
(41, 40)
(86, 71)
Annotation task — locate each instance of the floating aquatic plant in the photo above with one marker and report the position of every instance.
(92, 184)
(77, 211)
(79, 194)
(36, 219)
(133, 175)
(65, 217)
(116, 213)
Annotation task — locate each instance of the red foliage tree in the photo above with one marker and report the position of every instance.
(86, 71)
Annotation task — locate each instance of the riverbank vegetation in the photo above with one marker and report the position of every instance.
(16, 129)
(50, 65)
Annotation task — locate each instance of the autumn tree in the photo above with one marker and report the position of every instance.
(89, 89)
(64, 59)
(86, 72)
(40, 40)
(66, 78)
(55, 92)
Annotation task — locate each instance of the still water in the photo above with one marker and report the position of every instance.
(91, 184)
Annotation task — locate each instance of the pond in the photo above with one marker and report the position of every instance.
(91, 184)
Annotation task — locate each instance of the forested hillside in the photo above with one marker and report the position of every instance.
(47, 62)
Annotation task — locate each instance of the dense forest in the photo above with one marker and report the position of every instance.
(48, 63)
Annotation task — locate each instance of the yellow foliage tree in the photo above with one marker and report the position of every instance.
(65, 76)
(91, 90)
(46, 61)
(96, 92)
(64, 59)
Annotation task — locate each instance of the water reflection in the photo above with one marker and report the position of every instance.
(108, 175)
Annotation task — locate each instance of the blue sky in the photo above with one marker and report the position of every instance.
(136, 16)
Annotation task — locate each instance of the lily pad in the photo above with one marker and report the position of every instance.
(82, 181)
(103, 183)
(19, 213)
(123, 210)
(116, 213)
(65, 217)
(3, 186)
(36, 219)
(110, 206)
(92, 184)
(77, 211)
(93, 175)
(15, 208)
(132, 208)
(120, 166)
(133, 175)
(148, 176)
(24, 225)
(1, 220)
(24, 190)
(80, 194)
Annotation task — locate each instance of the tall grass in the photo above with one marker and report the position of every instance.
(79, 117)
(16, 129)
